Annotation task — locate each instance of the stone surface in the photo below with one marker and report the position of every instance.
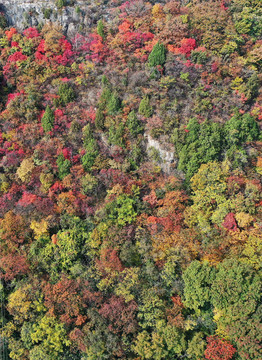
(79, 17)
(166, 152)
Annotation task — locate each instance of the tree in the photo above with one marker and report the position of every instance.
(134, 125)
(252, 250)
(166, 342)
(123, 210)
(202, 143)
(89, 184)
(196, 346)
(61, 3)
(91, 153)
(114, 104)
(48, 119)
(13, 232)
(210, 203)
(100, 29)
(157, 55)
(236, 294)
(65, 251)
(66, 94)
(3, 21)
(197, 279)
(13, 266)
(121, 315)
(66, 300)
(51, 335)
(218, 349)
(144, 108)
(187, 46)
(25, 303)
(25, 170)
(240, 129)
(151, 309)
(64, 166)
(100, 119)
(236, 290)
(230, 222)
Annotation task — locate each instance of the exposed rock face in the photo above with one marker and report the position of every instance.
(166, 151)
(74, 18)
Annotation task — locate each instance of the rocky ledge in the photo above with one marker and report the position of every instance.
(74, 17)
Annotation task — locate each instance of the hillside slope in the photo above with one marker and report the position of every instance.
(130, 182)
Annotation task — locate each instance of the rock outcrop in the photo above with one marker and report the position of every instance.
(166, 151)
(75, 17)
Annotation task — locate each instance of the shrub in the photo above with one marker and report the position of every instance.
(3, 21)
(47, 13)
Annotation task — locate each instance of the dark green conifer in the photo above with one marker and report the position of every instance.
(100, 119)
(157, 55)
(101, 29)
(48, 119)
(133, 124)
(144, 108)
(63, 165)
(66, 93)
(114, 104)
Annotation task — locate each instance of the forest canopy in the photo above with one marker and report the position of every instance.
(130, 184)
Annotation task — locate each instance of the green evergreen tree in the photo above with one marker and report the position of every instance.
(104, 81)
(100, 29)
(100, 119)
(105, 98)
(64, 166)
(116, 134)
(144, 108)
(61, 3)
(88, 160)
(114, 104)
(240, 129)
(133, 124)
(157, 55)
(48, 119)
(66, 93)
(87, 135)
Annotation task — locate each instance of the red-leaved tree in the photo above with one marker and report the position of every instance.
(219, 349)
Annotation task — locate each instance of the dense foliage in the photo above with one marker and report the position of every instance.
(111, 248)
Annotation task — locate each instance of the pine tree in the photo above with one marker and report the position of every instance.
(157, 55)
(114, 104)
(66, 93)
(134, 124)
(105, 98)
(63, 165)
(48, 119)
(100, 119)
(100, 29)
(104, 81)
(60, 3)
(144, 108)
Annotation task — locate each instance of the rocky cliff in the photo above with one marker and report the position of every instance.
(76, 16)
(165, 153)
